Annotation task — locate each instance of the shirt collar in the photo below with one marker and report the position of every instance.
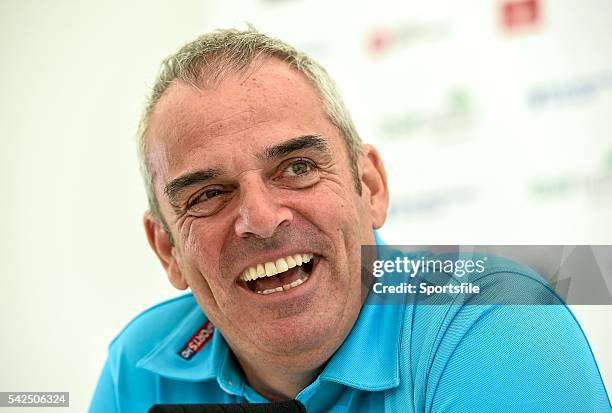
(165, 360)
(369, 357)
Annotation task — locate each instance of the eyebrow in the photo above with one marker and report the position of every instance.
(173, 189)
(177, 185)
(294, 145)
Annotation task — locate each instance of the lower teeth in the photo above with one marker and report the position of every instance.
(285, 287)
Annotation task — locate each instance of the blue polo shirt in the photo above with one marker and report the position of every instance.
(397, 358)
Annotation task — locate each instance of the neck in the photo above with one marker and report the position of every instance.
(276, 383)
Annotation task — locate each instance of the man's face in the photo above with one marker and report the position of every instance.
(251, 172)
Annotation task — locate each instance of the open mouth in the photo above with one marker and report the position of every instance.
(279, 276)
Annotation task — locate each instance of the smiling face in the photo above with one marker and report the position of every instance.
(256, 185)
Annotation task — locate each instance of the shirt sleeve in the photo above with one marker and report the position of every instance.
(515, 358)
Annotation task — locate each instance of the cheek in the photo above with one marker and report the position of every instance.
(202, 246)
(339, 215)
(193, 237)
(200, 265)
(327, 200)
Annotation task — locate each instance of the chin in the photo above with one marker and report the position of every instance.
(309, 336)
(304, 346)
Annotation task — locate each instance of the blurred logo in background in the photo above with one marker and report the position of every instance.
(520, 14)
(456, 114)
(382, 40)
(578, 90)
(597, 185)
(432, 202)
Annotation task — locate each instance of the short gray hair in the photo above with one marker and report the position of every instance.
(232, 51)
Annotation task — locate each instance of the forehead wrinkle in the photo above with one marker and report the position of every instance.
(229, 128)
(190, 127)
(180, 105)
(181, 114)
(216, 127)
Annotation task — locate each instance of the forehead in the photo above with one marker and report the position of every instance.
(268, 103)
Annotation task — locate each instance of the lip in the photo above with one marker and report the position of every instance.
(272, 256)
(304, 288)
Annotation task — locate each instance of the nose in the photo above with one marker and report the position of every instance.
(260, 212)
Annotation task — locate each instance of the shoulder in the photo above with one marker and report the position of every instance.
(145, 353)
(510, 295)
(517, 337)
(152, 326)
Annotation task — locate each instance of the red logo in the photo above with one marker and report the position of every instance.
(197, 341)
(379, 41)
(517, 14)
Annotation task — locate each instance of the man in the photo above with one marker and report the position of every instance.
(261, 195)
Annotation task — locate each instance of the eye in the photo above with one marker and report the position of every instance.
(205, 196)
(208, 201)
(298, 167)
(297, 173)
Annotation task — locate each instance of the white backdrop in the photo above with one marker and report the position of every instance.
(492, 132)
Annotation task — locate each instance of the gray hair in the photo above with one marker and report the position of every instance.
(232, 51)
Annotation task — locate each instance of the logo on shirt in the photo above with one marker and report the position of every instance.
(197, 341)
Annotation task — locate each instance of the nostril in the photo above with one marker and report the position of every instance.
(261, 220)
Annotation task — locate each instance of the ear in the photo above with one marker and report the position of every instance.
(374, 185)
(160, 242)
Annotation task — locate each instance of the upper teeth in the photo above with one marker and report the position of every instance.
(270, 268)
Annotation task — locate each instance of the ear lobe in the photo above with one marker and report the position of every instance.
(163, 248)
(374, 184)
